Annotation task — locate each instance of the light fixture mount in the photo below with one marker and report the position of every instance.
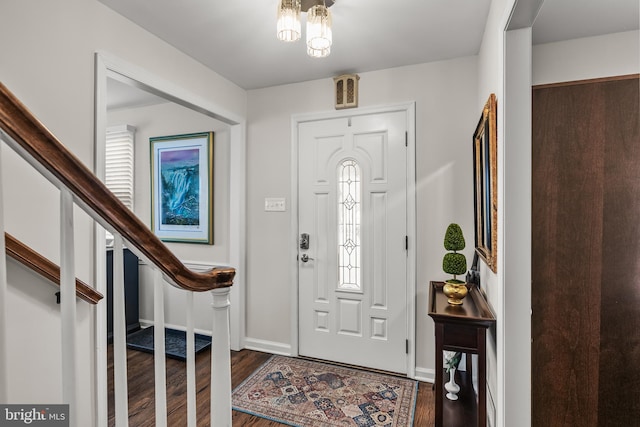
(308, 4)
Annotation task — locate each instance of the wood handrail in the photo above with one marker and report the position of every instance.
(33, 137)
(36, 262)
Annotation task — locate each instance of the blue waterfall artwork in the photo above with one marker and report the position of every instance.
(180, 193)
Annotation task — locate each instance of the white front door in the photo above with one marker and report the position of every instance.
(353, 207)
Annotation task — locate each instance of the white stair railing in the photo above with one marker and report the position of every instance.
(80, 188)
(159, 350)
(191, 364)
(220, 375)
(68, 305)
(120, 375)
(3, 300)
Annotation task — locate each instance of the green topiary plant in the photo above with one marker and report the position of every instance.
(453, 262)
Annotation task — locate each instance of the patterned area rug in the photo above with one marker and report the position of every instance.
(311, 394)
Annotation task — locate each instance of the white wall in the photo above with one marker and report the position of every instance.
(445, 95)
(587, 58)
(48, 62)
(172, 119)
(499, 344)
(34, 359)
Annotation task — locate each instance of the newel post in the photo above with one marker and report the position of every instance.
(220, 359)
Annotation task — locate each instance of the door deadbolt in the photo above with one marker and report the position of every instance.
(304, 241)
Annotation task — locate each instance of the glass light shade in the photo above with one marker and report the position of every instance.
(318, 53)
(318, 31)
(288, 26)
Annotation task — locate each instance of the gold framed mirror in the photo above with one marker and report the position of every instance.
(485, 184)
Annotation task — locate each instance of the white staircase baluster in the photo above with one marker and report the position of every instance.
(4, 388)
(101, 415)
(159, 349)
(68, 304)
(220, 360)
(119, 337)
(191, 364)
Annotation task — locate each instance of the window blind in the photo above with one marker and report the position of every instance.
(119, 162)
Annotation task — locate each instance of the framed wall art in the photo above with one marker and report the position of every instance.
(182, 187)
(485, 184)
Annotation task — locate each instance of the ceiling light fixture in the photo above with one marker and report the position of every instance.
(319, 31)
(288, 27)
(319, 37)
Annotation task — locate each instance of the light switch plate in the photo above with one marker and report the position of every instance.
(275, 204)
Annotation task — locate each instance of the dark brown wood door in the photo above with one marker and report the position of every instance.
(586, 254)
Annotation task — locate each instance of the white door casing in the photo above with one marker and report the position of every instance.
(361, 316)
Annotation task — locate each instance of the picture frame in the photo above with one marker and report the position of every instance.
(182, 187)
(485, 184)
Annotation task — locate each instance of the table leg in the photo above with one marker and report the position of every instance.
(439, 368)
(482, 377)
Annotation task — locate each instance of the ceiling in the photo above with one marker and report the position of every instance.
(236, 38)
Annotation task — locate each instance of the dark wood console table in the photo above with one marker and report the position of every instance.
(461, 328)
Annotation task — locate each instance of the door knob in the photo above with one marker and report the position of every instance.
(305, 258)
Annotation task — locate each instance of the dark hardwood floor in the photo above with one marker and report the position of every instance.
(243, 363)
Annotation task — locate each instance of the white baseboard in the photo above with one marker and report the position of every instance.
(267, 346)
(146, 323)
(425, 375)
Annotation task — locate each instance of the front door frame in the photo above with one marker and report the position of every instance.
(410, 112)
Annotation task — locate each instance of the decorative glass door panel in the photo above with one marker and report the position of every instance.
(349, 205)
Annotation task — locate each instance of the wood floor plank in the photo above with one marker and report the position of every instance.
(243, 363)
